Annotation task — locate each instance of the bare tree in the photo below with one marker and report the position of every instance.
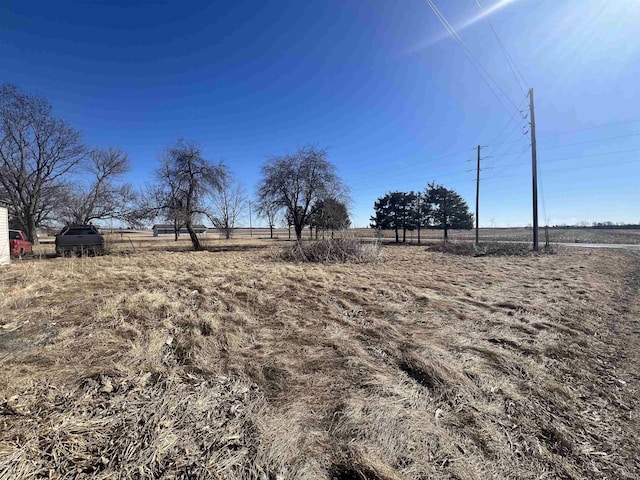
(105, 197)
(227, 205)
(37, 152)
(269, 211)
(185, 184)
(298, 182)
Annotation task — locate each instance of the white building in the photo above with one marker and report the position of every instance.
(4, 234)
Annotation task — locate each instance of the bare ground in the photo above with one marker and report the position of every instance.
(228, 364)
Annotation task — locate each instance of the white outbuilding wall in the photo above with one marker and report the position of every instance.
(4, 234)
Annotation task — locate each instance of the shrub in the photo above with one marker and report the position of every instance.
(340, 250)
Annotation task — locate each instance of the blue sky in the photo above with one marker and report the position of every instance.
(380, 84)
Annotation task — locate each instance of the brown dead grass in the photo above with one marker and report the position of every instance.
(228, 364)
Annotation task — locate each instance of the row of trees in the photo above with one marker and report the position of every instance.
(436, 207)
(50, 176)
(302, 187)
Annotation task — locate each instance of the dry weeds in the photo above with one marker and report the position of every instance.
(226, 364)
(341, 250)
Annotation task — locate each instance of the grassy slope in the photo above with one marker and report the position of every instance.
(231, 365)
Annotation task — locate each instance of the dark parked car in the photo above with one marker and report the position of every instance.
(79, 240)
(18, 244)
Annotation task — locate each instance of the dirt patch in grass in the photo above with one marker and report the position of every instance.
(228, 364)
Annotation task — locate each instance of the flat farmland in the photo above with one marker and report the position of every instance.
(158, 362)
(142, 240)
(521, 234)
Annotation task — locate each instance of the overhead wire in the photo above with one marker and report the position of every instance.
(561, 159)
(591, 141)
(603, 125)
(592, 155)
(400, 172)
(512, 65)
(510, 164)
(580, 167)
(427, 177)
(482, 71)
(505, 152)
(493, 142)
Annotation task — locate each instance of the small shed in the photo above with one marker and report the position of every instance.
(168, 229)
(5, 258)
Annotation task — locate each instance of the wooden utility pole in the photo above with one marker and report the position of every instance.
(478, 198)
(419, 216)
(534, 171)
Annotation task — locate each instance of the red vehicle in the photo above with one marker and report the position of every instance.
(18, 243)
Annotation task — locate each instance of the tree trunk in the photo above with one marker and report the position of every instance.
(404, 235)
(271, 231)
(446, 233)
(31, 230)
(397, 238)
(195, 241)
(298, 229)
(418, 234)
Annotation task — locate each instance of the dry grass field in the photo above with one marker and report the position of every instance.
(229, 364)
(521, 234)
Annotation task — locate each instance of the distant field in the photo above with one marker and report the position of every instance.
(144, 239)
(158, 362)
(556, 235)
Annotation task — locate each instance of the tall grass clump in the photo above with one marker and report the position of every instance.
(333, 250)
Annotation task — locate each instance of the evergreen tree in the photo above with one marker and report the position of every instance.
(329, 214)
(396, 210)
(449, 210)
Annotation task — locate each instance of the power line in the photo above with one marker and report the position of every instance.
(400, 172)
(510, 164)
(578, 157)
(553, 134)
(366, 186)
(580, 167)
(506, 152)
(591, 155)
(503, 143)
(591, 141)
(512, 66)
(474, 61)
(363, 185)
(492, 142)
